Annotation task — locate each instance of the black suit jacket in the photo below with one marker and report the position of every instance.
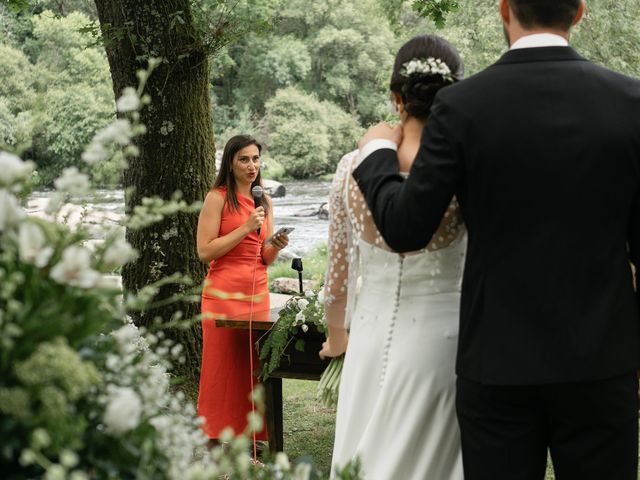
(542, 150)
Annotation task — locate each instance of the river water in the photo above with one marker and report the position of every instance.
(309, 231)
(301, 196)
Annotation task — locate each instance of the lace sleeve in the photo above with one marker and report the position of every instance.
(335, 285)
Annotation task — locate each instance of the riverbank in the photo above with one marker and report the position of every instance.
(105, 208)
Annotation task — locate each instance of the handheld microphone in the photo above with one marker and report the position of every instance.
(257, 192)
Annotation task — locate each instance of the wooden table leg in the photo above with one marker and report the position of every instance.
(273, 400)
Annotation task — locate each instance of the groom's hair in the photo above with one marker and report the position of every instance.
(545, 13)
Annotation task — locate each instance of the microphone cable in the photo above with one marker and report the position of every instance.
(251, 346)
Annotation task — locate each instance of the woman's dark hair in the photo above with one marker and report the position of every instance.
(545, 13)
(418, 90)
(225, 176)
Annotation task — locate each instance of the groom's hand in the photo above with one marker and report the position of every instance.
(382, 131)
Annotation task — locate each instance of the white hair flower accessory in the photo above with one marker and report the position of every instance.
(428, 66)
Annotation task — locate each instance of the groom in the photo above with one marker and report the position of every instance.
(542, 150)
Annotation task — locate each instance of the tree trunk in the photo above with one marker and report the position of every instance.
(176, 153)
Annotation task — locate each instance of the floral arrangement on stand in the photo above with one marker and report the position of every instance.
(294, 321)
(85, 394)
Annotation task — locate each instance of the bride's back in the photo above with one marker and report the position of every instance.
(361, 222)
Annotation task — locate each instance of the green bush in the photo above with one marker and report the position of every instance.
(272, 169)
(58, 38)
(15, 130)
(70, 119)
(7, 122)
(269, 64)
(228, 122)
(17, 79)
(306, 135)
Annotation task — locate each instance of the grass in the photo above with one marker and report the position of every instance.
(309, 427)
(315, 266)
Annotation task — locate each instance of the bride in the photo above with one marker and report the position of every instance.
(396, 409)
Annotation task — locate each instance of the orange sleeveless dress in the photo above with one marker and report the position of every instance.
(225, 376)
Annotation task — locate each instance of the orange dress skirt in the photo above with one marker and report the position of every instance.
(226, 378)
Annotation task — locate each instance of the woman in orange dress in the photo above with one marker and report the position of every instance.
(236, 285)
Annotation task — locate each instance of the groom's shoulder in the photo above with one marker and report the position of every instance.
(612, 75)
(470, 86)
(496, 76)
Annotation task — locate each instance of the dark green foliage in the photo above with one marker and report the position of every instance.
(295, 317)
(436, 10)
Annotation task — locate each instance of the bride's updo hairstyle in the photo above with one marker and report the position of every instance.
(424, 65)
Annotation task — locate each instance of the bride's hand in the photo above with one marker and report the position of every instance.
(382, 131)
(334, 346)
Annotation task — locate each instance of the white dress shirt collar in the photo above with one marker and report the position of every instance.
(540, 40)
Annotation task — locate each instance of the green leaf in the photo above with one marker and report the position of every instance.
(17, 6)
(436, 10)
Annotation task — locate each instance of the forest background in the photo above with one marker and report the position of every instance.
(306, 78)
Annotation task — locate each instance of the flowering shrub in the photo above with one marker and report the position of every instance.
(84, 393)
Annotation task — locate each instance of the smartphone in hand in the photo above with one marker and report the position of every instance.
(281, 231)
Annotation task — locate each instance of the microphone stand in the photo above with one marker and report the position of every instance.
(296, 264)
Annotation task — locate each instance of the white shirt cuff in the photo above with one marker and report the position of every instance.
(374, 145)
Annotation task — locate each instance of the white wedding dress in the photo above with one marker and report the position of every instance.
(396, 407)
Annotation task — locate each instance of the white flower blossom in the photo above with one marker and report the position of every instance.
(68, 458)
(226, 435)
(282, 461)
(123, 411)
(321, 296)
(95, 153)
(302, 472)
(73, 182)
(118, 253)
(303, 303)
(119, 131)
(55, 203)
(27, 457)
(78, 475)
(127, 336)
(75, 268)
(254, 421)
(300, 318)
(13, 169)
(40, 438)
(55, 472)
(32, 245)
(428, 66)
(304, 327)
(128, 101)
(309, 293)
(10, 211)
